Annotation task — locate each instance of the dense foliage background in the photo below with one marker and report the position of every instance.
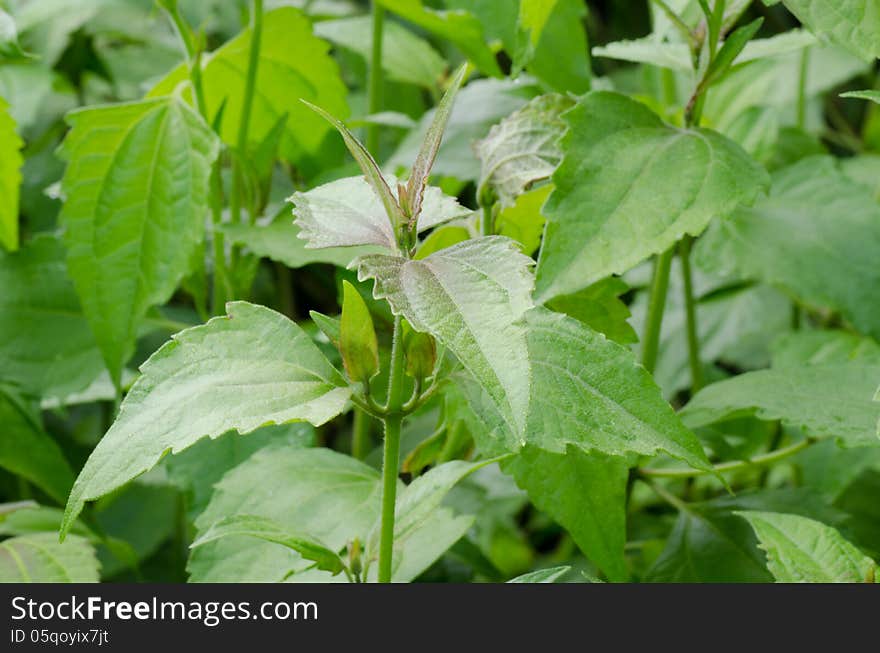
(704, 175)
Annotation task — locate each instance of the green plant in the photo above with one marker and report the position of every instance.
(543, 325)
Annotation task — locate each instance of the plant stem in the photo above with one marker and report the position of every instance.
(360, 434)
(693, 337)
(487, 224)
(802, 89)
(734, 466)
(656, 307)
(245, 119)
(391, 461)
(375, 82)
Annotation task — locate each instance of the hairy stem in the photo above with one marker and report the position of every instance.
(734, 466)
(392, 419)
(693, 337)
(656, 307)
(374, 100)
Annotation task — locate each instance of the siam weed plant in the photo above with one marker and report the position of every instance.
(572, 313)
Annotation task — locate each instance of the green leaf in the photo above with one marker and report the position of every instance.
(479, 105)
(293, 64)
(824, 348)
(468, 297)
(405, 57)
(252, 368)
(357, 337)
(271, 531)
(41, 558)
(590, 392)
(421, 168)
(733, 46)
(648, 50)
(280, 241)
(549, 575)
(461, 28)
(618, 155)
(326, 495)
(10, 178)
(533, 16)
(826, 401)
(46, 345)
(441, 239)
(136, 187)
(802, 550)
(524, 222)
(873, 96)
(816, 232)
(28, 451)
(346, 212)
(586, 494)
(196, 470)
(423, 530)
(853, 24)
(551, 381)
(561, 60)
(599, 307)
(523, 148)
(711, 544)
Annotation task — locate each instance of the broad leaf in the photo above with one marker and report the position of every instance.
(468, 297)
(136, 187)
(459, 27)
(533, 16)
(599, 307)
(293, 64)
(816, 232)
(405, 56)
(854, 24)
(586, 494)
(357, 337)
(613, 204)
(824, 348)
(10, 178)
(347, 212)
(252, 368)
(549, 575)
(523, 148)
(46, 345)
(589, 392)
(28, 451)
(279, 240)
(423, 530)
(325, 495)
(826, 401)
(561, 59)
(648, 50)
(551, 380)
(269, 530)
(41, 558)
(711, 544)
(802, 550)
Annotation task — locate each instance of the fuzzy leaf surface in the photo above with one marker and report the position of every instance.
(250, 368)
(614, 203)
(136, 186)
(802, 550)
